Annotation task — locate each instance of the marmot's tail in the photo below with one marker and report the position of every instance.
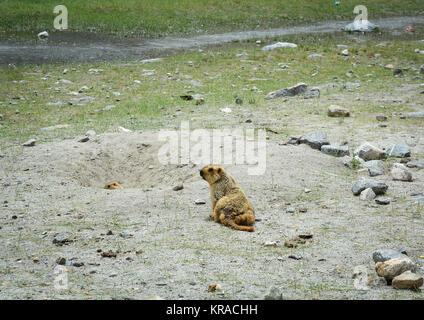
(233, 225)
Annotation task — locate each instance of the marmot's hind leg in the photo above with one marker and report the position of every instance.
(247, 218)
(232, 224)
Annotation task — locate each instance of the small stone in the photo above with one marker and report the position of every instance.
(77, 264)
(337, 111)
(109, 233)
(178, 187)
(407, 280)
(290, 210)
(43, 35)
(214, 287)
(35, 260)
(29, 143)
(199, 201)
(382, 200)
(381, 117)
(367, 194)
(295, 256)
(90, 133)
(345, 52)
(84, 139)
(61, 261)
(239, 100)
(415, 164)
(61, 239)
(109, 254)
(1, 117)
(107, 108)
(270, 244)
(295, 90)
(315, 56)
(397, 72)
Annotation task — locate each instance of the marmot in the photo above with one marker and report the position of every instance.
(230, 205)
(113, 186)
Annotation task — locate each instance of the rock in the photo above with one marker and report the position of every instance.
(295, 256)
(199, 201)
(90, 133)
(313, 93)
(367, 152)
(77, 264)
(363, 172)
(407, 280)
(383, 255)
(377, 187)
(400, 172)
(214, 287)
(352, 162)
(394, 267)
(1, 117)
(415, 164)
(107, 108)
(375, 167)
(295, 90)
(345, 52)
(29, 143)
(337, 111)
(274, 294)
(382, 200)
(270, 244)
(58, 126)
(109, 233)
(315, 56)
(293, 140)
(389, 66)
(61, 261)
(239, 100)
(418, 114)
(294, 242)
(226, 110)
(422, 69)
(367, 194)
(381, 117)
(334, 150)
(84, 139)
(315, 139)
(279, 45)
(154, 297)
(61, 239)
(124, 130)
(108, 254)
(361, 25)
(399, 150)
(290, 210)
(178, 187)
(397, 72)
(43, 35)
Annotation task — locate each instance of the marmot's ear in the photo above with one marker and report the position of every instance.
(220, 171)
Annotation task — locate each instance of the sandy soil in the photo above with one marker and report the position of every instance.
(167, 245)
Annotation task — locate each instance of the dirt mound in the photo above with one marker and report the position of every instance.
(128, 158)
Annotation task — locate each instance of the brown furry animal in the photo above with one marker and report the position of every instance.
(113, 186)
(230, 205)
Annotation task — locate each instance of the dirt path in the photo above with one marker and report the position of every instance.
(66, 47)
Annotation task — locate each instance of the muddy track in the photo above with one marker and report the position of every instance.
(71, 47)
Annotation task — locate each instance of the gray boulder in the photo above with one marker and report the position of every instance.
(315, 139)
(298, 89)
(334, 150)
(367, 151)
(399, 150)
(375, 167)
(415, 164)
(377, 187)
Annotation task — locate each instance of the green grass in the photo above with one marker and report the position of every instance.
(153, 18)
(154, 103)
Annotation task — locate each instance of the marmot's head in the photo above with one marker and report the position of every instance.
(212, 173)
(113, 185)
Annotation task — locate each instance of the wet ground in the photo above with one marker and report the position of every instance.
(63, 47)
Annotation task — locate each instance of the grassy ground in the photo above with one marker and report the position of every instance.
(165, 17)
(219, 74)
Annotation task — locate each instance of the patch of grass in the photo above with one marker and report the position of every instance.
(28, 93)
